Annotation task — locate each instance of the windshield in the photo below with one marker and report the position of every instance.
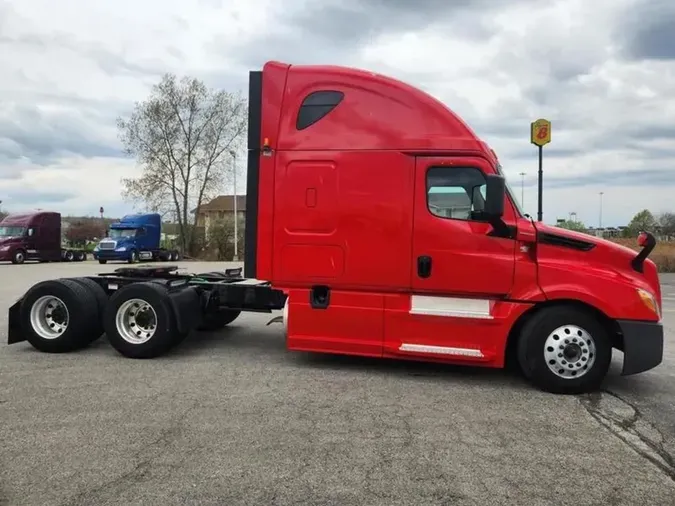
(12, 231)
(510, 192)
(116, 233)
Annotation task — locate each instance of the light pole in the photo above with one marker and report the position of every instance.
(600, 220)
(522, 189)
(236, 231)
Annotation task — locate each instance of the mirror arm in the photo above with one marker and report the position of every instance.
(500, 229)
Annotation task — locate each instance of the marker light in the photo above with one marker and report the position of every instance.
(649, 300)
(642, 239)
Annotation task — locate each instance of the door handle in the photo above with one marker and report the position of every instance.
(424, 266)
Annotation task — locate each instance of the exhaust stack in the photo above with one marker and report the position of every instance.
(647, 242)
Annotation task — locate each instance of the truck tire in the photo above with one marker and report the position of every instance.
(102, 262)
(58, 316)
(19, 257)
(96, 292)
(69, 256)
(133, 257)
(217, 320)
(564, 350)
(139, 320)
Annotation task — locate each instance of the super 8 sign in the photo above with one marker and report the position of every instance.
(540, 132)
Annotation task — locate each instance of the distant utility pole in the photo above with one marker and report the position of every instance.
(522, 189)
(600, 220)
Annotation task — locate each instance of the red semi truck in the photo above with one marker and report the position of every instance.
(382, 226)
(35, 236)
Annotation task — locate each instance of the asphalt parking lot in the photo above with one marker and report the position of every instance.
(232, 418)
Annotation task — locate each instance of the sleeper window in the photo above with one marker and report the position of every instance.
(317, 105)
(455, 192)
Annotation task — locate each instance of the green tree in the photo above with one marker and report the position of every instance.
(572, 225)
(183, 136)
(221, 238)
(642, 221)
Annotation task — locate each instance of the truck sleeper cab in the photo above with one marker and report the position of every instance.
(388, 224)
(35, 237)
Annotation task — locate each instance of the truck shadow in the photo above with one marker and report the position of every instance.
(270, 345)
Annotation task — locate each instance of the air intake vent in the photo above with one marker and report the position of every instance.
(564, 242)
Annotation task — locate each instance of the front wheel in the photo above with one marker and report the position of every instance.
(564, 350)
(18, 257)
(102, 262)
(133, 257)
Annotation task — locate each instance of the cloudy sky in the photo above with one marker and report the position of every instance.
(603, 72)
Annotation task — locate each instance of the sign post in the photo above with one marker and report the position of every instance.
(540, 135)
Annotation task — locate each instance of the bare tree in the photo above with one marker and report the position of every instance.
(181, 136)
(667, 223)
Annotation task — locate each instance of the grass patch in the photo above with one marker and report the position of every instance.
(663, 255)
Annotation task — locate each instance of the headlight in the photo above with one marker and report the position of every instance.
(649, 300)
(121, 248)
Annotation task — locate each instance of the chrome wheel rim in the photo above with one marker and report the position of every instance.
(19, 257)
(49, 317)
(570, 352)
(136, 321)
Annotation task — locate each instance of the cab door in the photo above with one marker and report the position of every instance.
(454, 250)
(32, 238)
(461, 266)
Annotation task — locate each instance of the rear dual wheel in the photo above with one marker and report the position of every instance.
(140, 321)
(62, 315)
(217, 320)
(564, 350)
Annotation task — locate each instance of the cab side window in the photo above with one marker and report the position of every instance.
(456, 192)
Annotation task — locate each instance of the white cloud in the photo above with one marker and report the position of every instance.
(69, 68)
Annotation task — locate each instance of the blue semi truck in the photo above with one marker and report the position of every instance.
(134, 238)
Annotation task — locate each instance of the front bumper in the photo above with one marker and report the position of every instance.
(642, 345)
(110, 255)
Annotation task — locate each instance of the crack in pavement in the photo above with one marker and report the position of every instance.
(625, 420)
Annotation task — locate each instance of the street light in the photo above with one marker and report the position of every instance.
(236, 238)
(522, 189)
(600, 220)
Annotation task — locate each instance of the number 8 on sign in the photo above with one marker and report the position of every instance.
(540, 132)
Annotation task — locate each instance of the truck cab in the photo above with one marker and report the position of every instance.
(135, 237)
(30, 236)
(390, 226)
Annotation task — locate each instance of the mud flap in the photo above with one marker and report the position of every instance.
(14, 331)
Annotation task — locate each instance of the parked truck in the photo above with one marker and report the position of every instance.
(380, 225)
(35, 237)
(135, 237)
